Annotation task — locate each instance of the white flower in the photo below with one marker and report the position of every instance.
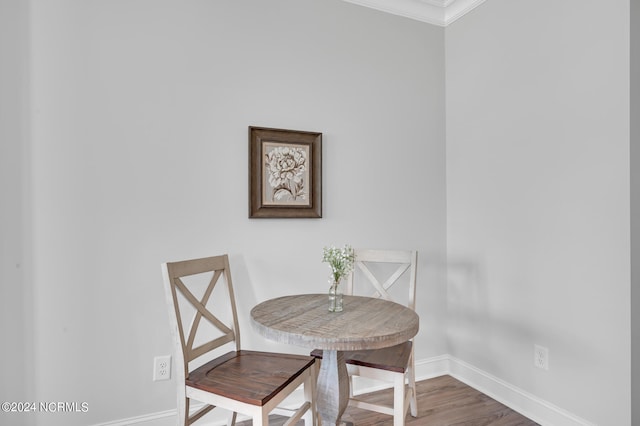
(340, 261)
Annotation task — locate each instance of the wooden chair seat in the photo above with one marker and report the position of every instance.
(394, 358)
(249, 376)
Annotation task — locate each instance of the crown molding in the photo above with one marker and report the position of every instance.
(436, 12)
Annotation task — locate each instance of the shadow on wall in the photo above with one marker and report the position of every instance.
(485, 332)
(247, 296)
(467, 312)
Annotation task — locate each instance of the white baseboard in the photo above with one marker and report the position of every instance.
(162, 418)
(537, 409)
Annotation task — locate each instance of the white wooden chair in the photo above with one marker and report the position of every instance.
(247, 382)
(397, 363)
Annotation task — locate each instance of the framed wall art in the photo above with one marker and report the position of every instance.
(285, 173)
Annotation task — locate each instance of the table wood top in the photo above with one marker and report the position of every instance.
(365, 323)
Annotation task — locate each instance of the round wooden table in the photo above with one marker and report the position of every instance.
(365, 323)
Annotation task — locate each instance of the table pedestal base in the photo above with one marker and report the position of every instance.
(333, 387)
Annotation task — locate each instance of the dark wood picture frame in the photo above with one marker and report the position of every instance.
(285, 173)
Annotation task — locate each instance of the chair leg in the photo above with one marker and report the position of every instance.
(231, 420)
(399, 407)
(351, 394)
(310, 417)
(183, 410)
(261, 419)
(412, 386)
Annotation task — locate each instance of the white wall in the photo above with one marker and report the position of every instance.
(538, 199)
(635, 211)
(14, 361)
(139, 156)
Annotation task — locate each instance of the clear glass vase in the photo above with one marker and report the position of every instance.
(335, 297)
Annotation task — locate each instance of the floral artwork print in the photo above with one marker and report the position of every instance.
(286, 171)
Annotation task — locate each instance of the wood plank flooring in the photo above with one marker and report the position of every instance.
(442, 401)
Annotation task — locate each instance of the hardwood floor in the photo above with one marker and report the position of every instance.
(442, 401)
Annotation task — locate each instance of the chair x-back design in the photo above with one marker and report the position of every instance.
(247, 382)
(396, 363)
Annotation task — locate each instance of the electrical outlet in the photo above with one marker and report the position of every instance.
(162, 368)
(541, 357)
